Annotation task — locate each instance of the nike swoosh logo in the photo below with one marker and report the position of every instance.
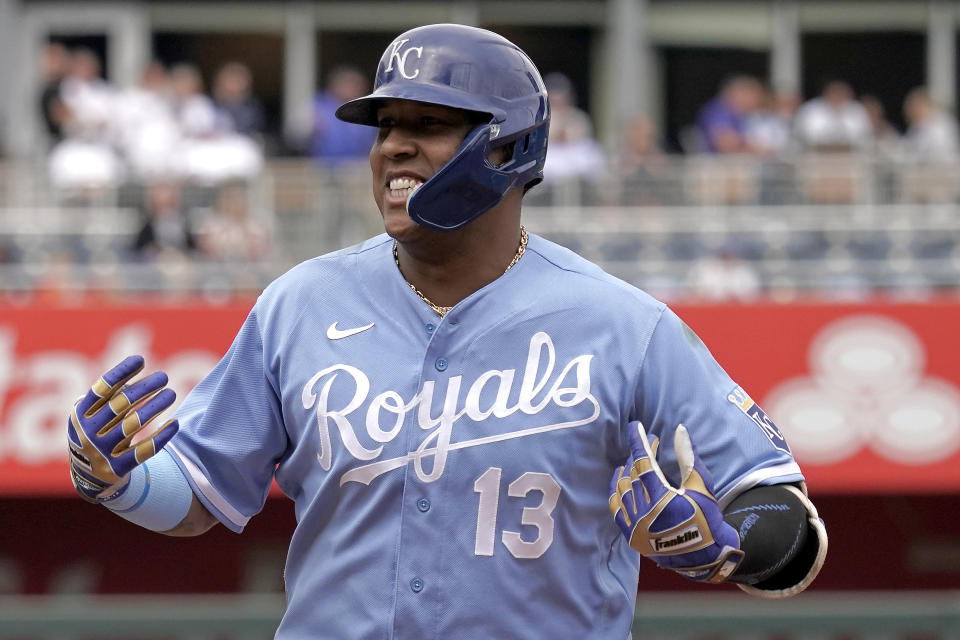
(336, 334)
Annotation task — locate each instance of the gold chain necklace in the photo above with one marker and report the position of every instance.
(442, 311)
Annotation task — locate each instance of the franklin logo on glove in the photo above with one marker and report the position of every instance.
(681, 541)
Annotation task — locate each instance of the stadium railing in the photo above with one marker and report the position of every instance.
(819, 225)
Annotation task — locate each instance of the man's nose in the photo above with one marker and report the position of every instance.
(398, 142)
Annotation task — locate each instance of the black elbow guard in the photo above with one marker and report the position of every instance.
(782, 537)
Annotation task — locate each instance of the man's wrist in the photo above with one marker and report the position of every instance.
(93, 490)
(156, 497)
(126, 492)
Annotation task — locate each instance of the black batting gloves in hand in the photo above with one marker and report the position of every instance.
(679, 528)
(104, 423)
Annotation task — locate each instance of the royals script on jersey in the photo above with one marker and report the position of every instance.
(450, 476)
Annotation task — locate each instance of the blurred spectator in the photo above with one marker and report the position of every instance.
(768, 130)
(931, 132)
(836, 124)
(80, 170)
(228, 233)
(574, 152)
(886, 138)
(85, 160)
(208, 152)
(334, 141)
(147, 132)
(886, 146)
(166, 230)
(721, 128)
(641, 147)
(88, 98)
(235, 101)
(932, 146)
(769, 133)
(722, 122)
(196, 113)
(724, 276)
(567, 121)
(834, 121)
(645, 168)
(55, 63)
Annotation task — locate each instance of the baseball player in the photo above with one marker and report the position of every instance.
(482, 433)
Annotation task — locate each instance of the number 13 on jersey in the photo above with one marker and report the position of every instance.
(488, 486)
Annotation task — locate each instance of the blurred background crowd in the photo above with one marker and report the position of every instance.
(733, 186)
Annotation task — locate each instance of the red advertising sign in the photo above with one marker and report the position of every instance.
(867, 395)
(50, 356)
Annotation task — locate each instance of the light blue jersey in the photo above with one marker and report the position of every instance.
(451, 475)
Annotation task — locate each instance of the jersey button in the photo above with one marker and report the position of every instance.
(416, 585)
(441, 364)
(430, 327)
(423, 504)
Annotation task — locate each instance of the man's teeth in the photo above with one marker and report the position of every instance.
(403, 187)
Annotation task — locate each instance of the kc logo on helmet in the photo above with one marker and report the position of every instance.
(400, 57)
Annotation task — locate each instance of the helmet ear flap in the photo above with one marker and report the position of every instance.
(529, 145)
(470, 184)
(531, 150)
(518, 147)
(530, 153)
(467, 186)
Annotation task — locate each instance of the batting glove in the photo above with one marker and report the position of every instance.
(681, 529)
(104, 423)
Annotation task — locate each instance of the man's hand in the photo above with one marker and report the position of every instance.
(678, 528)
(104, 423)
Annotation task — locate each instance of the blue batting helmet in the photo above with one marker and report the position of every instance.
(475, 70)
